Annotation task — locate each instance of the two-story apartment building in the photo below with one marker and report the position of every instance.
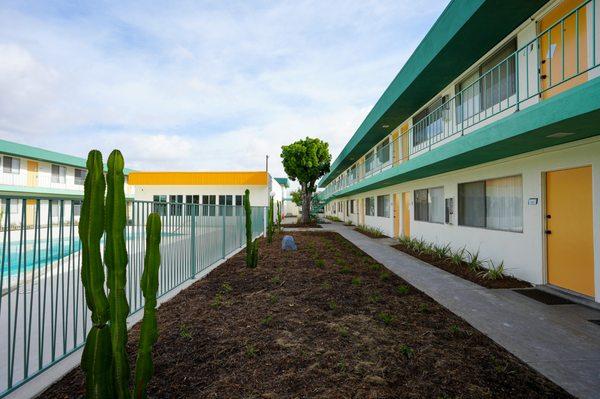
(488, 139)
(33, 178)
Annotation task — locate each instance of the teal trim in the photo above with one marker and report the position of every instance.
(575, 111)
(465, 32)
(26, 191)
(283, 181)
(39, 154)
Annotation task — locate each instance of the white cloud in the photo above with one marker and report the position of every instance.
(199, 85)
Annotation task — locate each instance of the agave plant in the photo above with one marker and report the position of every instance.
(493, 271)
(458, 257)
(441, 252)
(474, 263)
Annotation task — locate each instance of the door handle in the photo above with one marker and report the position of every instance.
(548, 231)
(543, 77)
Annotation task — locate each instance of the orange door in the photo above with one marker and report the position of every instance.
(569, 230)
(361, 211)
(563, 48)
(32, 173)
(396, 215)
(406, 214)
(396, 148)
(404, 140)
(30, 212)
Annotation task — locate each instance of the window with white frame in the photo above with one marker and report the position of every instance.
(352, 173)
(370, 206)
(59, 174)
(192, 205)
(176, 208)
(208, 205)
(160, 205)
(383, 206)
(492, 204)
(225, 202)
(430, 122)
(11, 165)
(429, 205)
(80, 176)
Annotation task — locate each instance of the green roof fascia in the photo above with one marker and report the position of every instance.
(283, 181)
(41, 192)
(40, 154)
(575, 111)
(465, 32)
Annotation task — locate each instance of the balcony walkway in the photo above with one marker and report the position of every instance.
(558, 341)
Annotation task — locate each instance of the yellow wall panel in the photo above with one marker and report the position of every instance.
(198, 178)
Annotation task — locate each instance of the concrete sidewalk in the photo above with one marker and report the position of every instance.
(558, 341)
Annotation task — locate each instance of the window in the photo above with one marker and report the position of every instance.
(239, 202)
(352, 206)
(383, 206)
(191, 207)
(370, 206)
(76, 208)
(15, 206)
(225, 202)
(429, 123)
(383, 151)
(208, 205)
(352, 173)
(59, 174)
(497, 84)
(11, 165)
(176, 208)
(429, 205)
(160, 205)
(80, 176)
(369, 162)
(493, 204)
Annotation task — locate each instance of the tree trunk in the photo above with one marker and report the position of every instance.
(306, 198)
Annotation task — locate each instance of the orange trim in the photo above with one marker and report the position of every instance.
(198, 178)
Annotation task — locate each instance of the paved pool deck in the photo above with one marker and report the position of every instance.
(558, 341)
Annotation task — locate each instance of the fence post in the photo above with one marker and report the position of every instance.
(223, 209)
(193, 237)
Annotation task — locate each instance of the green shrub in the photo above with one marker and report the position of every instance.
(356, 281)
(441, 252)
(375, 266)
(332, 305)
(333, 218)
(373, 231)
(406, 350)
(385, 276)
(267, 320)
(320, 263)
(345, 269)
(474, 263)
(375, 298)
(458, 257)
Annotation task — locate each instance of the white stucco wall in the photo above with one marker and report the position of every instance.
(258, 194)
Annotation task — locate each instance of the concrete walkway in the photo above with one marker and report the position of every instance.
(558, 341)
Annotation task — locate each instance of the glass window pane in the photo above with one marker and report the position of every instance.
(436, 205)
(504, 203)
(421, 205)
(471, 204)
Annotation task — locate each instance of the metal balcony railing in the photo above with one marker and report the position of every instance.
(560, 57)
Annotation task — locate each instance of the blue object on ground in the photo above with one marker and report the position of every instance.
(288, 243)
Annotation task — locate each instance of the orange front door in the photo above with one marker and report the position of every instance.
(32, 173)
(396, 199)
(406, 214)
(404, 141)
(569, 230)
(563, 48)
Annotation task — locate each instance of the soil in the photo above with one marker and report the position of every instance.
(300, 225)
(369, 234)
(462, 270)
(326, 321)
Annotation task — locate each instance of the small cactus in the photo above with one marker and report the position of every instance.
(251, 246)
(144, 368)
(270, 217)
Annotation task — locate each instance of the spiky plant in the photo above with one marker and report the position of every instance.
(474, 262)
(493, 271)
(270, 217)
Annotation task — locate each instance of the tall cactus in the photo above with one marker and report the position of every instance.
(96, 358)
(104, 360)
(270, 217)
(115, 258)
(279, 215)
(144, 367)
(251, 246)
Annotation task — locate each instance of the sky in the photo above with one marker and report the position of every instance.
(199, 85)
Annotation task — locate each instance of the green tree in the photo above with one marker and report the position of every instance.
(306, 161)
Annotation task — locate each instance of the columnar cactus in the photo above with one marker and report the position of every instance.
(279, 215)
(96, 359)
(270, 217)
(115, 258)
(104, 360)
(251, 246)
(144, 367)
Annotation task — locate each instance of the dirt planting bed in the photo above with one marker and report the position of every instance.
(326, 321)
(462, 270)
(370, 234)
